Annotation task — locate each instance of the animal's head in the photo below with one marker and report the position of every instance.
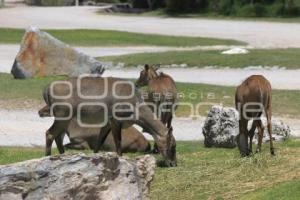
(171, 160)
(146, 74)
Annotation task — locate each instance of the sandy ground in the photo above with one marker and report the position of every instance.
(26, 128)
(257, 34)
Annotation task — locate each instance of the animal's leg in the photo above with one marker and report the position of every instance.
(260, 128)
(53, 132)
(59, 143)
(169, 123)
(251, 134)
(243, 137)
(269, 121)
(116, 129)
(102, 137)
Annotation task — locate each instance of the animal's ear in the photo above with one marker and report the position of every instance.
(146, 67)
(157, 67)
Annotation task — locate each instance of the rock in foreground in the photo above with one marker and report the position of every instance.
(79, 176)
(43, 55)
(222, 126)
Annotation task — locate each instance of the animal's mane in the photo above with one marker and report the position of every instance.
(162, 75)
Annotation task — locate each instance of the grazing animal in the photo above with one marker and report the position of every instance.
(161, 92)
(253, 97)
(114, 103)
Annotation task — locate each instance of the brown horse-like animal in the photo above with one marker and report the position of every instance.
(161, 92)
(253, 98)
(114, 103)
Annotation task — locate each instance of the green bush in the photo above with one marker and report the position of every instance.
(140, 4)
(185, 5)
(276, 9)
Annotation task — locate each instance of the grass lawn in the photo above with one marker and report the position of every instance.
(288, 58)
(212, 173)
(285, 102)
(80, 37)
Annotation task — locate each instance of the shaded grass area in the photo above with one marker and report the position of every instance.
(83, 37)
(285, 102)
(288, 58)
(212, 173)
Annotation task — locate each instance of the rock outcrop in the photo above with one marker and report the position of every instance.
(78, 176)
(221, 128)
(43, 55)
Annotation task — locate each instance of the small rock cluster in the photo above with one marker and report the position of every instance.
(221, 128)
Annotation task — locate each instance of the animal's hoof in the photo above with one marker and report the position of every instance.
(273, 152)
(167, 163)
(155, 151)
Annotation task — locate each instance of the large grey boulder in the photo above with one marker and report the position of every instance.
(221, 128)
(79, 176)
(43, 55)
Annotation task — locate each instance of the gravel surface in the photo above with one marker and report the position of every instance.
(26, 128)
(257, 34)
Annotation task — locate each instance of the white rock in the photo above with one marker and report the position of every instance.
(235, 51)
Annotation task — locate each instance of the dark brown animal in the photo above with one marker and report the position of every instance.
(161, 92)
(253, 98)
(113, 103)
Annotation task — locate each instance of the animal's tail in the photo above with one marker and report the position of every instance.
(45, 111)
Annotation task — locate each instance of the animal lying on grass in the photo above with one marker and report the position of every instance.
(114, 103)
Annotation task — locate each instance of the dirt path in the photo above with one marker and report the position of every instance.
(257, 34)
(26, 128)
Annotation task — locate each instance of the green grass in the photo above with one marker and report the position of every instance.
(285, 102)
(82, 37)
(288, 58)
(284, 191)
(213, 173)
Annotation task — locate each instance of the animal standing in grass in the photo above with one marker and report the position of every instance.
(253, 98)
(114, 103)
(161, 92)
